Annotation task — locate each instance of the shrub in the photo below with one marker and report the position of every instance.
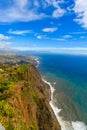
(6, 109)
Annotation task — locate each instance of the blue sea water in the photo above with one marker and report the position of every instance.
(70, 74)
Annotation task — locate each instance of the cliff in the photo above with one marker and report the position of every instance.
(24, 100)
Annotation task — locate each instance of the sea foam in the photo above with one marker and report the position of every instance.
(37, 61)
(65, 125)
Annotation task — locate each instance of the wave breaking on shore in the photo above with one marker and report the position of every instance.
(65, 125)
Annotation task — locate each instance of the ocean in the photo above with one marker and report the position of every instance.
(67, 74)
(67, 78)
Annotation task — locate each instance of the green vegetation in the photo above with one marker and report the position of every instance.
(36, 99)
(23, 99)
(6, 109)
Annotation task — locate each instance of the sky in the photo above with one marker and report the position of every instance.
(43, 24)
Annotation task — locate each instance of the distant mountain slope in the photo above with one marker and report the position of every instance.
(13, 59)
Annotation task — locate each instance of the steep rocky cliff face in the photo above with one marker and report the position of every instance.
(24, 100)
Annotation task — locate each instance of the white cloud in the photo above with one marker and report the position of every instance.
(13, 15)
(20, 10)
(67, 36)
(4, 41)
(4, 44)
(83, 37)
(39, 37)
(73, 48)
(21, 3)
(54, 3)
(19, 32)
(63, 50)
(36, 3)
(59, 39)
(26, 10)
(62, 38)
(3, 37)
(49, 29)
(80, 9)
(58, 12)
(78, 32)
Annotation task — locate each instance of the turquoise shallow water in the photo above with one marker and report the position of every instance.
(70, 74)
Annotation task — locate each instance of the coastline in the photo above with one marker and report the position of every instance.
(37, 61)
(65, 125)
(54, 108)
